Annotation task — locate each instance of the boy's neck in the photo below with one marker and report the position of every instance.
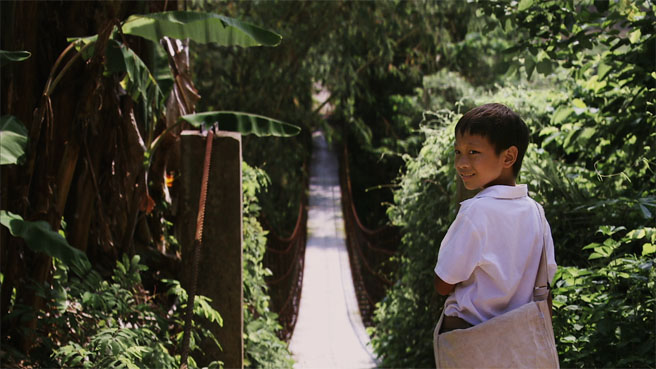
(507, 178)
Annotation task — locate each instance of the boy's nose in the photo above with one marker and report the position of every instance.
(461, 162)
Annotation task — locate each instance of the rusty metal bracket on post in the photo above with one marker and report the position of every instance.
(198, 241)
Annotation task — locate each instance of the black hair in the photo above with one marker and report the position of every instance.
(502, 126)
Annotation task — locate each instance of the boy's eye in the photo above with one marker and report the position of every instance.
(457, 152)
(471, 152)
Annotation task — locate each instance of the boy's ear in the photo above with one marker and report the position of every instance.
(510, 156)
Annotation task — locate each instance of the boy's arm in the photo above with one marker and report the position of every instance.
(442, 287)
(550, 303)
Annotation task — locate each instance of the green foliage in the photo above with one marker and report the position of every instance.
(605, 313)
(423, 207)
(607, 121)
(13, 140)
(91, 322)
(263, 348)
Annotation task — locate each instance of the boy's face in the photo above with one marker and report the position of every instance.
(478, 164)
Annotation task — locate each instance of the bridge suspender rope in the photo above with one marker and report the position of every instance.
(285, 257)
(369, 250)
(369, 255)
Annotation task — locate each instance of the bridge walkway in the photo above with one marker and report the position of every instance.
(329, 332)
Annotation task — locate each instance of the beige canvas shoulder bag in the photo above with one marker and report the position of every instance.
(520, 338)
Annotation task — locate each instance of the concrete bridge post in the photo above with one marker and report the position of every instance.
(220, 270)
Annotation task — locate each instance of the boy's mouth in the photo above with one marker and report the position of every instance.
(466, 176)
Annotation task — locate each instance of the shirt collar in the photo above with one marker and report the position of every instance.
(504, 192)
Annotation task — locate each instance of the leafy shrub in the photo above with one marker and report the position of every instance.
(263, 348)
(423, 207)
(605, 313)
(90, 322)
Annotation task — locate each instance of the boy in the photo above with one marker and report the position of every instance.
(489, 258)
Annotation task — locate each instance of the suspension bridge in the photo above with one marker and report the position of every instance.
(330, 272)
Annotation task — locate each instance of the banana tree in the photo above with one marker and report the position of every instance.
(142, 86)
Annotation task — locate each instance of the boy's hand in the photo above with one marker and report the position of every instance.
(442, 287)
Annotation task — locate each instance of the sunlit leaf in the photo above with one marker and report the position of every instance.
(603, 70)
(200, 27)
(648, 249)
(578, 103)
(561, 114)
(243, 122)
(13, 140)
(525, 4)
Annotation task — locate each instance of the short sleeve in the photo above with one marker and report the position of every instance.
(551, 259)
(460, 251)
(549, 245)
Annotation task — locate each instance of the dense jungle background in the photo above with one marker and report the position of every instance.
(90, 257)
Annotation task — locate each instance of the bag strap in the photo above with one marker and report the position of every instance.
(541, 290)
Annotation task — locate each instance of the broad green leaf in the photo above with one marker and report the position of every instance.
(7, 57)
(587, 133)
(545, 67)
(637, 234)
(161, 70)
(561, 114)
(243, 122)
(645, 212)
(529, 64)
(525, 4)
(634, 36)
(578, 103)
(591, 246)
(41, 238)
(648, 249)
(13, 140)
(603, 70)
(200, 27)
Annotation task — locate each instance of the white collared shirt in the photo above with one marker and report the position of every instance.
(491, 253)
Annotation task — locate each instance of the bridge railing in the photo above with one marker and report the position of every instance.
(369, 250)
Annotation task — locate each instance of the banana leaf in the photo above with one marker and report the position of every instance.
(13, 140)
(200, 27)
(7, 57)
(41, 238)
(140, 81)
(244, 123)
